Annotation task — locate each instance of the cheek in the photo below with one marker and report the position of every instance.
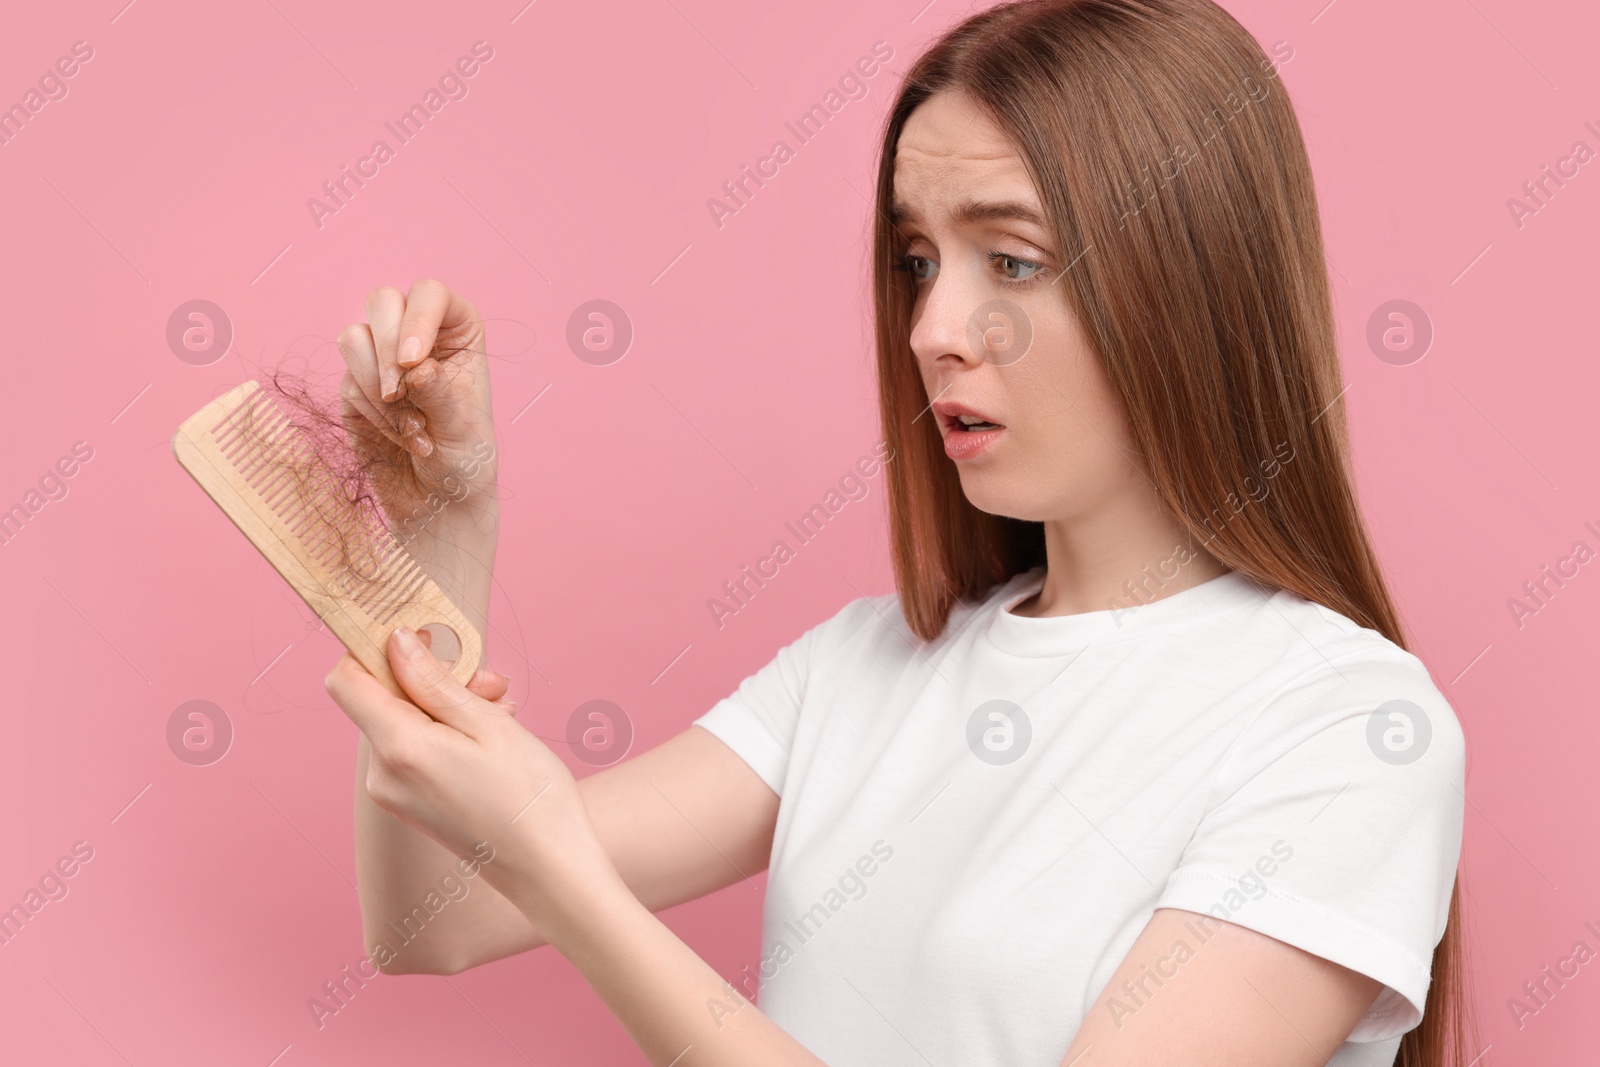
(1064, 382)
(1074, 427)
(1102, 407)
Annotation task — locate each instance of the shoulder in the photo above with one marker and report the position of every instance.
(1345, 679)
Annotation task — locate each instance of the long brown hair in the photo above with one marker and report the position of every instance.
(1172, 172)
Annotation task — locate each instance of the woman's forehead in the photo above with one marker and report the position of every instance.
(950, 150)
(952, 123)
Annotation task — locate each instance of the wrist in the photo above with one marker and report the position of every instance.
(456, 548)
(564, 882)
(577, 920)
(473, 521)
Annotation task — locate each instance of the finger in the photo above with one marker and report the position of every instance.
(456, 323)
(386, 307)
(376, 711)
(426, 637)
(490, 685)
(430, 686)
(361, 358)
(447, 409)
(360, 388)
(361, 418)
(426, 306)
(440, 380)
(420, 387)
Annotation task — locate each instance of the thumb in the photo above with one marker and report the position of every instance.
(370, 704)
(431, 687)
(490, 685)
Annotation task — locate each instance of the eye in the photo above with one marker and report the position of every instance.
(919, 267)
(1010, 263)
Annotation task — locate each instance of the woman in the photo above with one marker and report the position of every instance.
(1134, 767)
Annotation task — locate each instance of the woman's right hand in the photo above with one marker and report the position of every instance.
(415, 402)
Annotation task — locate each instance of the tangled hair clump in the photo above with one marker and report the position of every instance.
(350, 488)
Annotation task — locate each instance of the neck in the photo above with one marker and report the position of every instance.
(1117, 558)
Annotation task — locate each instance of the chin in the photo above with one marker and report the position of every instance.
(994, 494)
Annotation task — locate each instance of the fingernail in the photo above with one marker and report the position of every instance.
(389, 383)
(410, 424)
(421, 446)
(407, 640)
(410, 350)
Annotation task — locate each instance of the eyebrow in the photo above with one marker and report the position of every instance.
(975, 211)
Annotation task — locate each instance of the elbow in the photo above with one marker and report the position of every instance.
(419, 964)
(413, 957)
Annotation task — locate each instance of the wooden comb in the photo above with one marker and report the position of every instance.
(263, 473)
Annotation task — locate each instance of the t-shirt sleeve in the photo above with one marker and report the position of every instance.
(758, 719)
(1335, 826)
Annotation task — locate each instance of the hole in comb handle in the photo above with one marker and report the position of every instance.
(442, 641)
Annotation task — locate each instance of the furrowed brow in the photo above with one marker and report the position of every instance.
(976, 211)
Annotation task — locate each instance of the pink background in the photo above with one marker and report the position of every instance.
(578, 168)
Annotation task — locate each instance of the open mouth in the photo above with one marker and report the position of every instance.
(972, 424)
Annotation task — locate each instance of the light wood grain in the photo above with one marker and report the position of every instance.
(266, 479)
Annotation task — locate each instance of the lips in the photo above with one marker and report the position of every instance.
(950, 413)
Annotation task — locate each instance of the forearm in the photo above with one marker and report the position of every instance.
(456, 547)
(397, 865)
(676, 1008)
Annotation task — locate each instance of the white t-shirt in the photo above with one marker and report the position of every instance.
(954, 880)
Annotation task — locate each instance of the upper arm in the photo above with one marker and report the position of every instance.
(1195, 991)
(685, 818)
(1305, 908)
(1319, 835)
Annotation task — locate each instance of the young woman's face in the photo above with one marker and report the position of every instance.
(991, 329)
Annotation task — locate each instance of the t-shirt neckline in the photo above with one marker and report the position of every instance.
(1051, 636)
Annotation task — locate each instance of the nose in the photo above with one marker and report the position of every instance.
(940, 320)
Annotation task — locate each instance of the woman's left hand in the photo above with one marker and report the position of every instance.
(458, 766)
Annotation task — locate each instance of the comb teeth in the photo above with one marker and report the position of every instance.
(297, 485)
